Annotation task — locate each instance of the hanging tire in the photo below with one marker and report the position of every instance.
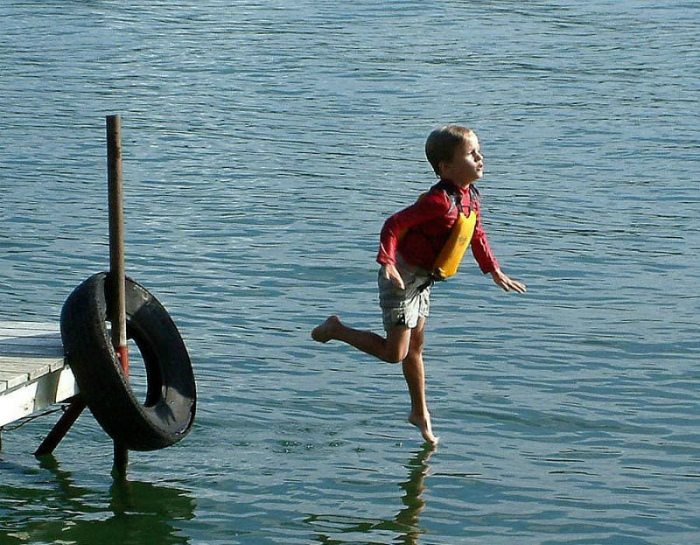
(168, 412)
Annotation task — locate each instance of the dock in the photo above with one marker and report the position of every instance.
(33, 374)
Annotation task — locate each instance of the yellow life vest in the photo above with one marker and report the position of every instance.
(447, 262)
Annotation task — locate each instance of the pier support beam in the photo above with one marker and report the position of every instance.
(59, 431)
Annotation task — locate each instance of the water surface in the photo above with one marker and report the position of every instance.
(264, 145)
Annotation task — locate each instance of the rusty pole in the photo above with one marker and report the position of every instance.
(117, 296)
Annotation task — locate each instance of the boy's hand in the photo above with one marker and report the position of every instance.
(507, 283)
(391, 273)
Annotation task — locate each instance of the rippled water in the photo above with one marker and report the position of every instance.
(264, 145)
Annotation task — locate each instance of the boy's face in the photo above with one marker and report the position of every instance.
(467, 164)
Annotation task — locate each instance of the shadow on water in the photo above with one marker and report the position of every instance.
(406, 524)
(132, 513)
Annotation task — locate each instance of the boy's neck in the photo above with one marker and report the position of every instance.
(448, 181)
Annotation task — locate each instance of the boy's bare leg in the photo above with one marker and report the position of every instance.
(392, 349)
(414, 373)
(401, 344)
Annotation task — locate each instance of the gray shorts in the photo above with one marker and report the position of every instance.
(405, 307)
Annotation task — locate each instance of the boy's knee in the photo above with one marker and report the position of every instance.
(397, 345)
(396, 355)
(417, 345)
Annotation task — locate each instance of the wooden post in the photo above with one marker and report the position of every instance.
(116, 263)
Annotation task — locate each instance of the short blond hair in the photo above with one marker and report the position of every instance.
(443, 142)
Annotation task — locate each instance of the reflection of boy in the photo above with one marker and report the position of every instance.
(410, 241)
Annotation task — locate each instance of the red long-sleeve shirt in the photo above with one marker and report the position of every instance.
(426, 226)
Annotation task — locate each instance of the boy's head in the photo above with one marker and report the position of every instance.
(442, 144)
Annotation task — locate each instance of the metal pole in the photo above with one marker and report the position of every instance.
(116, 239)
(116, 262)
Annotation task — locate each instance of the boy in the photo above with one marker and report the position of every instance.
(410, 242)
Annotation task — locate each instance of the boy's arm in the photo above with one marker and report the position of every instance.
(390, 272)
(487, 260)
(481, 249)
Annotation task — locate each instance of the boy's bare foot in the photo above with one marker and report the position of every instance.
(423, 424)
(326, 331)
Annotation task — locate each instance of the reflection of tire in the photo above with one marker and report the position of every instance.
(169, 409)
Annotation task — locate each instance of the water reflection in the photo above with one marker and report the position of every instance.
(413, 498)
(406, 524)
(132, 513)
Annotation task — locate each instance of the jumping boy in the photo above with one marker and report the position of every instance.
(411, 243)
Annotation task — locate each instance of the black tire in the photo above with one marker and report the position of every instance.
(168, 411)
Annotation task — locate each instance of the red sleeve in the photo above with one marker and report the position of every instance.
(480, 247)
(433, 205)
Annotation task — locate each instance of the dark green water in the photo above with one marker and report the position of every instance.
(264, 145)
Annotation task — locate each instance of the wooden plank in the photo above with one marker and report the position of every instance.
(28, 350)
(33, 374)
(37, 395)
(14, 371)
